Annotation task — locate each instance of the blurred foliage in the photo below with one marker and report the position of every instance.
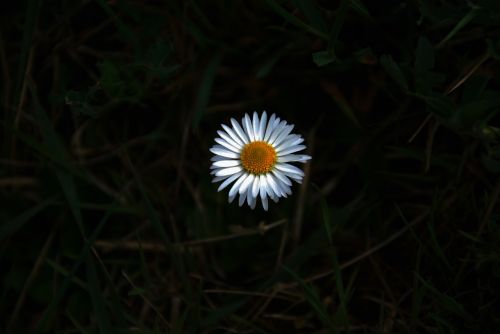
(109, 221)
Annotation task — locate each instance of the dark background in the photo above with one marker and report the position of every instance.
(109, 221)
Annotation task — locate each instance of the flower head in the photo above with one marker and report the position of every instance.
(255, 158)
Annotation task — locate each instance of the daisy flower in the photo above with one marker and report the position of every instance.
(255, 158)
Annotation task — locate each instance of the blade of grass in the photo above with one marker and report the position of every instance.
(66, 273)
(334, 92)
(54, 144)
(114, 299)
(155, 222)
(418, 294)
(221, 313)
(338, 22)
(312, 13)
(360, 8)
(205, 89)
(327, 220)
(435, 244)
(340, 318)
(314, 300)
(100, 310)
(29, 282)
(393, 69)
(75, 323)
(447, 302)
(9, 228)
(59, 294)
(127, 34)
(295, 21)
(460, 24)
(27, 44)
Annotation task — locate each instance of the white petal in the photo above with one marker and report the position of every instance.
(225, 144)
(283, 135)
(228, 181)
(232, 134)
(289, 141)
(263, 198)
(226, 163)
(262, 126)
(275, 198)
(236, 185)
(219, 178)
(256, 124)
(279, 129)
(255, 186)
(292, 150)
(247, 122)
(231, 198)
(285, 190)
(239, 131)
(246, 183)
(251, 200)
(223, 152)
(272, 183)
(217, 158)
(270, 126)
(279, 175)
(289, 168)
(229, 139)
(229, 171)
(242, 198)
(297, 178)
(270, 193)
(294, 158)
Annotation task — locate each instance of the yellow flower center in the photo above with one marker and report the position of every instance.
(258, 157)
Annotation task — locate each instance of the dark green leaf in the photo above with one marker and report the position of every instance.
(393, 69)
(312, 13)
(205, 88)
(323, 58)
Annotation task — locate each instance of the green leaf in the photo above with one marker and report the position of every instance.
(448, 303)
(491, 161)
(344, 106)
(127, 34)
(460, 24)
(205, 89)
(313, 299)
(338, 22)
(28, 29)
(360, 8)
(327, 220)
(470, 113)
(157, 225)
(60, 292)
(312, 13)
(294, 20)
(494, 48)
(425, 80)
(323, 58)
(393, 69)
(54, 144)
(98, 302)
(110, 79)
(424, 55)
(268, 65)
(10, 227)
(440, 104)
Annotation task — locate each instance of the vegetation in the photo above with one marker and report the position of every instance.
(109, 221)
